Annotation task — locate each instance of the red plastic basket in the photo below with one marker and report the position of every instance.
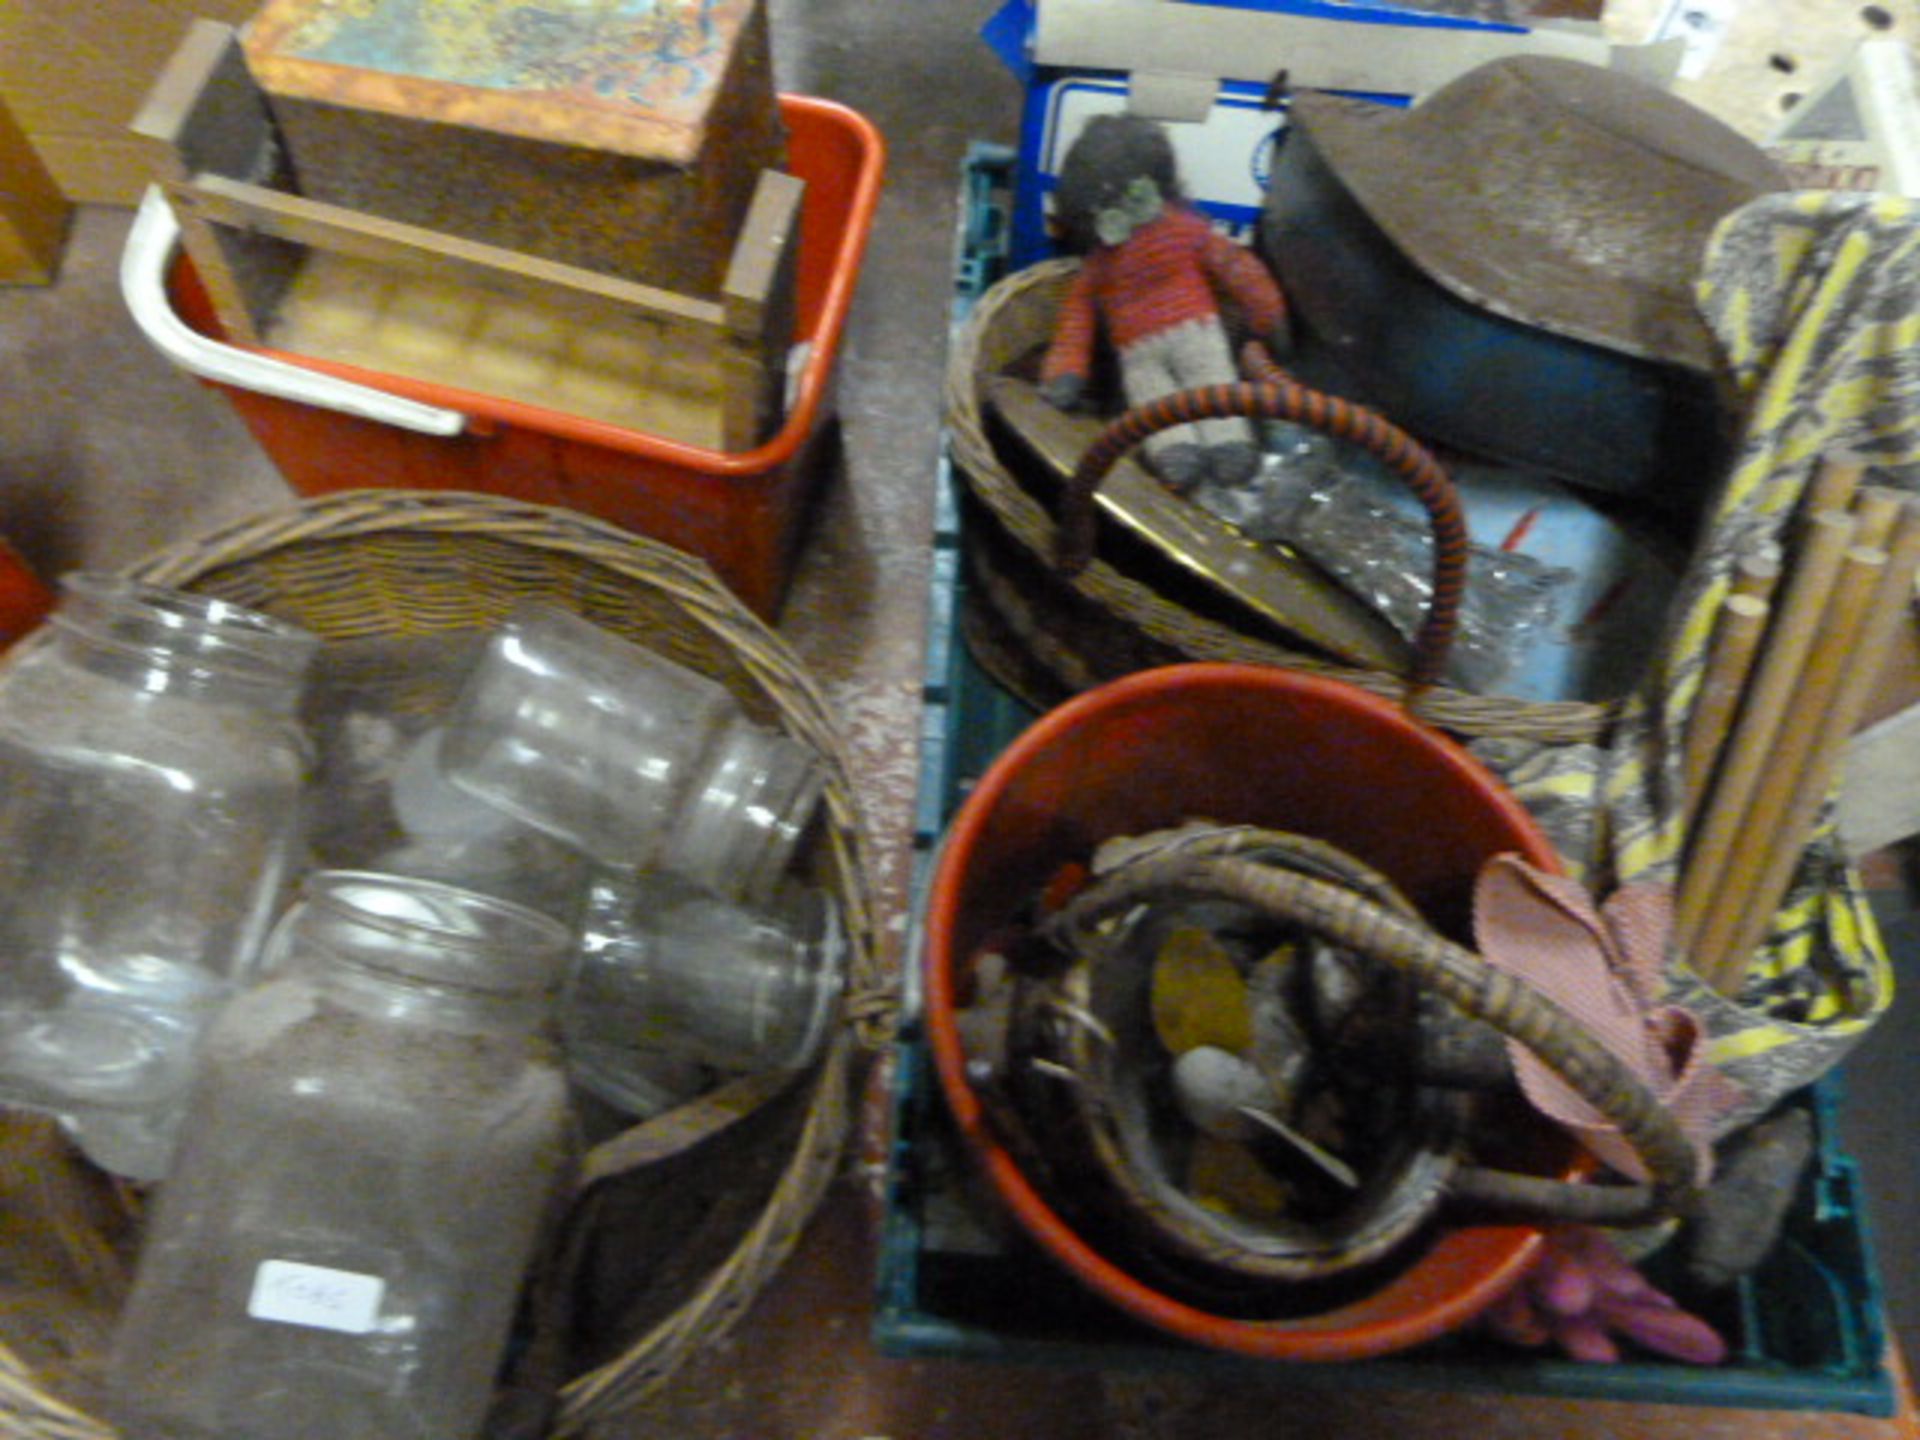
(741, 512)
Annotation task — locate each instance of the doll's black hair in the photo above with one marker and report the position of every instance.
(1112, 151)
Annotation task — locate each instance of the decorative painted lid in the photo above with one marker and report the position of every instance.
(636, 77)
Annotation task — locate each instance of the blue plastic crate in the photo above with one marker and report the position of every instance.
(956, 1280)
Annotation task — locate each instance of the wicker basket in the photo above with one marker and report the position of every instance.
(1109, 620)
(388, 563)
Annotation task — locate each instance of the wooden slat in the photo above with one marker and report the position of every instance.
(758, 298)
(764, 253)
(616, 367)
(314, 223)
(209, 115)
(206, 110)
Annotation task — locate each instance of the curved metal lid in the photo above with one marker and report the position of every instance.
(1562, 195)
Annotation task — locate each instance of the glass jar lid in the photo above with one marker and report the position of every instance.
(170, 627)
(431, 933)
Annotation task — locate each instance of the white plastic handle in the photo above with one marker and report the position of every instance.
(143, 284)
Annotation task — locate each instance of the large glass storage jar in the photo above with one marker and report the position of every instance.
(376, 1134)
(628, 756)
(151, 768)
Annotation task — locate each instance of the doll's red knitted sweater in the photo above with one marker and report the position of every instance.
(1164, 274)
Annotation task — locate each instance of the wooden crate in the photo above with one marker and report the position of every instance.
(618, 137)
(315, 278)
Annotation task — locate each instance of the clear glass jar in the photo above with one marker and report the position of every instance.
(628, 756)
(379, 800)
(666, 971)
(151, 769)
(377, 1133)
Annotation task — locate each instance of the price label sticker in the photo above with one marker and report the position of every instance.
(290, 1293)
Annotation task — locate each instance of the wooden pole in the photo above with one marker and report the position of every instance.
(1815, 567)
(1876, 510)
(1758, 835)
(1756, 574)
(1885, 613)
(1836, 480)
(1836, 485)
(1736, 640)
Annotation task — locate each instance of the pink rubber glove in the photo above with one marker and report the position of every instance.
(1582, 1297)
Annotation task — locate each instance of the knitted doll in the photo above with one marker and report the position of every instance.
(1153, 278)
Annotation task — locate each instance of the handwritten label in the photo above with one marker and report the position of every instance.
(293, 1294)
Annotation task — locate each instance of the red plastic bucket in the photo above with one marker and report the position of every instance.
(1236, 745)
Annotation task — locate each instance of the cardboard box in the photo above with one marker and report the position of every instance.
(73, 74)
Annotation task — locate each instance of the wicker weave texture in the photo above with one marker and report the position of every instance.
(392, 563)
(1104, 615)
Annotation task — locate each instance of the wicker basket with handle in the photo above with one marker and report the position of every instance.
(380, 563)
(1109, 619)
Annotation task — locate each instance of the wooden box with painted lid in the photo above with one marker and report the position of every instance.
(344, 284)
(619, 136)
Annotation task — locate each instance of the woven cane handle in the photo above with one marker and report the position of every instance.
(1458, 975)
(1278, 397)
